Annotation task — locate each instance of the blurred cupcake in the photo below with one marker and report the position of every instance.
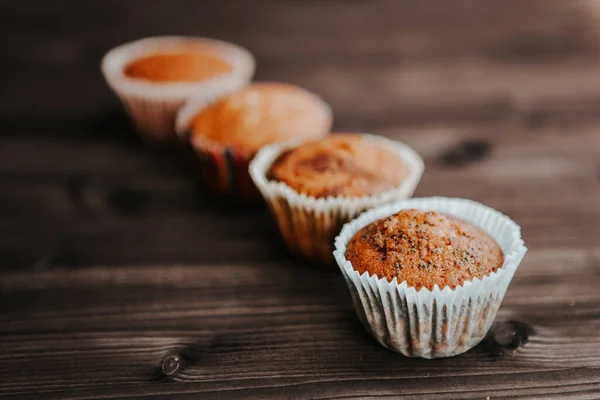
(227, 134)
(154, 77)
(427, 276)
(314, 187)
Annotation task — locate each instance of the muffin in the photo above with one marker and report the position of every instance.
(427, 276)
(314, 187)
(154, 77)
(424, 249)
(227, 134)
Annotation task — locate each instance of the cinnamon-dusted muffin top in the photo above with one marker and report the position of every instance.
(424, 249)
(261, 114)
(339, 165)
(191, 64)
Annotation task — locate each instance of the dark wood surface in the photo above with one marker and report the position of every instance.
(120, 277)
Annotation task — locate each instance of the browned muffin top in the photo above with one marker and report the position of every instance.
(424, 249)
(339, 165)
(179, 65)
(263, 113)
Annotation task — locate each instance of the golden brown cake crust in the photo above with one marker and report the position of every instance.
(424, 249)
(340, 165)
(191, 65)
(261, 114)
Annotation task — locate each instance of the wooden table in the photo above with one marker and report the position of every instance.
(121, 278)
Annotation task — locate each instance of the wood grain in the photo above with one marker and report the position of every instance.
(122, 278)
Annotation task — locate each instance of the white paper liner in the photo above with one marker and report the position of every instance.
(432, 323)
(308, 224)
(153, 106)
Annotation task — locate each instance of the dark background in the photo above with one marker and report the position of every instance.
(113, 258)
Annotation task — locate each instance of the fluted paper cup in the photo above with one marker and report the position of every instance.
(309, 225)
(439, 322)
(153, 106)
(224, 169)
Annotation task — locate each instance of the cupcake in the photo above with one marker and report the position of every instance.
(427, 276)
(227, 134)
(154, 77)
(314, 187)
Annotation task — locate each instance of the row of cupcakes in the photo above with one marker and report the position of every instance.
(426, 275)
(199, 90)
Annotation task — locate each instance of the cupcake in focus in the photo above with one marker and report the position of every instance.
(314, 187)
(227, 134)
(154, 77)
(427, 276)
